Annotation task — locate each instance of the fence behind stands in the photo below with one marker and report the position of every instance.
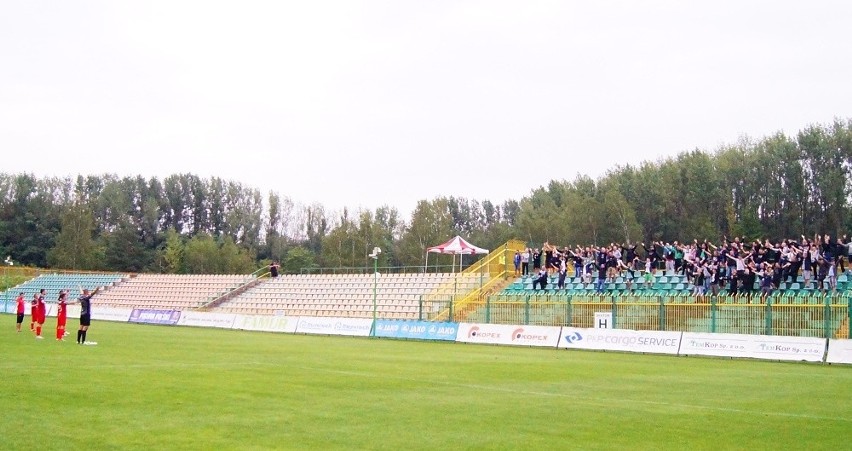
(821, 316)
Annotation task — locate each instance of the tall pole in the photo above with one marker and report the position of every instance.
(7, 263)
(375, 283)
(5, 288)
(375, 257)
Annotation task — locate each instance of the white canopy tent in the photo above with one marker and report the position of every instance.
(456, 246)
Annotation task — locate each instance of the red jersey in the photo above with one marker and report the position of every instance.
(61, 313)
(42, 310)
(21, 305)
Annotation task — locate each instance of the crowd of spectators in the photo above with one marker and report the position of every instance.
(737, 266)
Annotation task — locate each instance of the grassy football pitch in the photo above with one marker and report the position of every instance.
(156, 387)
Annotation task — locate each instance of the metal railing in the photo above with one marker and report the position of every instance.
(819, 316)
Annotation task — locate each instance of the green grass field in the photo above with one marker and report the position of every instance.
(154, 387)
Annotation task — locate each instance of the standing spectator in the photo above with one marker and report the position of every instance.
(831, 277)
(611, 263)
(655, 257)
(809, 258)
(629, 252)
(678, 258)
(601, 282)
(536, 260)
(668, 254)
(715, 279)
(822, 272)
(541, 279)
(628, 281)
(273, 269)
(563, 272)
(549, 255)
(733, 280)
(578, 263)
(21, 307)
(749, 279)
(848, 250)
(649, 273)
(525, 262)
(517, 261)
(61, 315)
(766, 281)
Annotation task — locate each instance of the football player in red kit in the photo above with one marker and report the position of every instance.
(33, 311)
(41, 313)
(61, 314)
(20, 310)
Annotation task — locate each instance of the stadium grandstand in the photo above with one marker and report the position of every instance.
(487, 291)
(53, 283)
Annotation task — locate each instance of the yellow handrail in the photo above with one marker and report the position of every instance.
(493, 268)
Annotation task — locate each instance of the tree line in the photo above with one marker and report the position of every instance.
(778, 186)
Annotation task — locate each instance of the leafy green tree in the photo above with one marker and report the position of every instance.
(172, 253)
(75, 244)
(297, 259)
(431, 224)
(124, 251)
(201, 255)
(234, 260)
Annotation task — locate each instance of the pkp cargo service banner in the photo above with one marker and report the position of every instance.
(501, 334)
(839, 351)
(420, 330)
(656, 342)
(358, 327)
(153, 316)
(753, 346)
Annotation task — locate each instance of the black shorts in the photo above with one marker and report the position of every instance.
(85, 320)
(20, 318)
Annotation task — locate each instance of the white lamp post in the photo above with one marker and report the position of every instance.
(375, 257)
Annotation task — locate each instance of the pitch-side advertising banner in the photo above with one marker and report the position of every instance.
(106, 313)
(206, 319)
(839, 351)
(501, 334)
(265, 323)
(655, 342)
(74, 311)
(154, 316)
(420, 330)
(359, 327)
(98, 313)
(753, 346)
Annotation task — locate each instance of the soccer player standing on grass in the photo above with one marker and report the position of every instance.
(33, 311)
(20, 311)
(61, 314)
(41, 313)
(85, 301)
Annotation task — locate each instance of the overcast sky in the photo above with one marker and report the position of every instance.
(363, 104)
